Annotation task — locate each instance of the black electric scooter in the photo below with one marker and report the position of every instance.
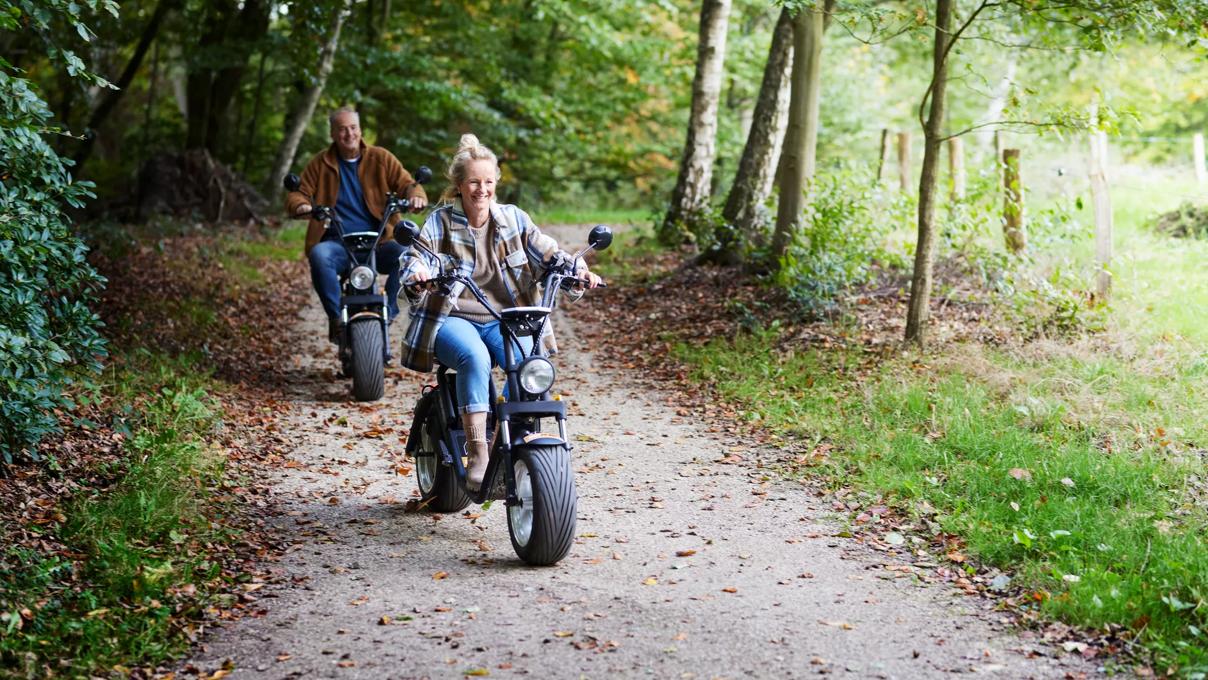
(363, 341)
(530, 466)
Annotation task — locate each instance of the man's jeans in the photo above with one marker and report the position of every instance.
(329, 260)
(471, 349)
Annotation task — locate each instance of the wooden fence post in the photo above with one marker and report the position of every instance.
(956, 168)
(1103, 214)
(883, 165)
(1197, 149)
(904, 161)
(1012, 209)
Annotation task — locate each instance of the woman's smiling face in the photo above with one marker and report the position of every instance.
(478, 188)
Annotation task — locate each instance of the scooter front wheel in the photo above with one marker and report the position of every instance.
(542, 523)
(368, 373)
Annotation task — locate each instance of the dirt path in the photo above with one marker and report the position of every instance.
(682, 567)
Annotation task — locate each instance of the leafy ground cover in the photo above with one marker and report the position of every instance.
(137, 530)
(1063, 471)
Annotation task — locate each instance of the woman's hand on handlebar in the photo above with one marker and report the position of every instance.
(586, 277)
(418, 203)
(421, 279)
(303, 210)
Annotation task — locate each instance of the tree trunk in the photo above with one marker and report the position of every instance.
(920, 283)
(305, 108)
(251, 128)
(111, 98)
(801, 138)
(232, 32)
(691, 195)
(756, 169)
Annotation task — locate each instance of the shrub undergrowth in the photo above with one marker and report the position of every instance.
(133, 559)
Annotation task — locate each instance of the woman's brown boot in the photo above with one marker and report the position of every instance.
(475, 425)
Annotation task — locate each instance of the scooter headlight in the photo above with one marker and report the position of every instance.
(362, 278)
(536, 375)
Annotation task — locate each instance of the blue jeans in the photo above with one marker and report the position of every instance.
(472, 349)
(329, 260)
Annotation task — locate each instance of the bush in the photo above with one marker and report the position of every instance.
(1186, 221)
(846, 225)
(48, 334)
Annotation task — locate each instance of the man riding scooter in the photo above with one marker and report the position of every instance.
(354, 177)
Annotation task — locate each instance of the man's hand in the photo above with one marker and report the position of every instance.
(418, 203)
(303, 210)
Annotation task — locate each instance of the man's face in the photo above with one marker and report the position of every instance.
(346, 133)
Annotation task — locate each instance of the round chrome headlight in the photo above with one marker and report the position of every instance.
(536, 375)
(362, 278)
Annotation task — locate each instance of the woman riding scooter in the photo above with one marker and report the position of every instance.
(499, 247)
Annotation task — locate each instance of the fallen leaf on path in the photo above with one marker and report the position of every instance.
(563, 633)
(729, 589)
(284, 657)
(843, 625)
(685, 553)
(652, 581)
(476, 672)
(440, 575)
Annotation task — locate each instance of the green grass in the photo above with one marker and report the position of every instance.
(1160, 281)
(1101, 529)
(138, 544)
(614, 217)
(1078, 466)
(242, 257)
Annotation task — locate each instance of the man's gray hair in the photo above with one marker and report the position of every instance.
(331, 120)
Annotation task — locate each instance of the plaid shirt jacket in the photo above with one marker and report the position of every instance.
(522, 251)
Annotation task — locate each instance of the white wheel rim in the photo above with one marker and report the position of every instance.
(521, 515)
(425, 462)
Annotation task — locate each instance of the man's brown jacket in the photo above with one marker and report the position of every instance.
(379, 171)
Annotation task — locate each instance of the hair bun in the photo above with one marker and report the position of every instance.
(468, 141)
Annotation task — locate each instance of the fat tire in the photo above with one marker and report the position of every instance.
(554, 505)
(446, 493)
(368, 367)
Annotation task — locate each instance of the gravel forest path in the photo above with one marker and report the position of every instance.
(689, 562)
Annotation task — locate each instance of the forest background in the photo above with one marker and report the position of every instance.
(159, 131)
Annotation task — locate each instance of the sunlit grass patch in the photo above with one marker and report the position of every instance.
(614, 217)
(1076, 473)
(134, 562)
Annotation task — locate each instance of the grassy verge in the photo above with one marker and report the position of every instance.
(111, 556)
(614, 217)
(1080, 466)
(134, 554)
(1078, 474)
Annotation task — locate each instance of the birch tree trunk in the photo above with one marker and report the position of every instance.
(799, 159)
(920, 283)
(300, 116)
(756, 170)
(691, 195)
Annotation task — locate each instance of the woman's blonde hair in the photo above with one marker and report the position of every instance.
(468, 149)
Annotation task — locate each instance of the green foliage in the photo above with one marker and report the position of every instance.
(844, 235)
(1186, 221)
(1066, 473)
(139, 543)
(48, 336)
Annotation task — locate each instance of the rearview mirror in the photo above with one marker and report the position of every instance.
(405, 232)
(423, 175)
(600, 237)
(291, 182)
